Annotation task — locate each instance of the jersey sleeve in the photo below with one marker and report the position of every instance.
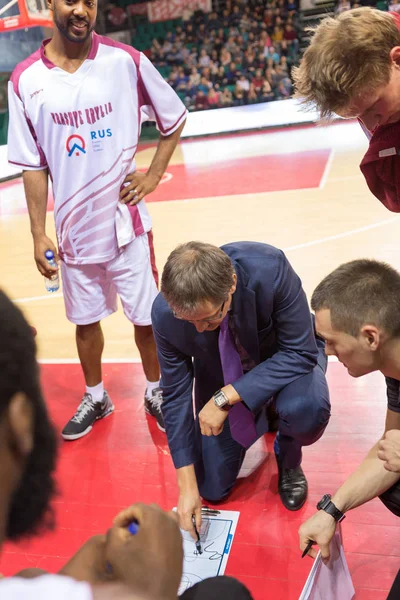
(160, 103)
(23, 147)
(393, 394)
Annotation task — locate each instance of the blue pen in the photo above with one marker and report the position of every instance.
(133, 528)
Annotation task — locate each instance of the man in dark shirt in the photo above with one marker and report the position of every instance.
(357, 313)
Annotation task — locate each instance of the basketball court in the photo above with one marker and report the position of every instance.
(301, 190)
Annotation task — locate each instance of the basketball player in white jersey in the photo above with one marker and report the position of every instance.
(76, 110)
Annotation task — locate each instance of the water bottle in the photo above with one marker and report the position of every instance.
(52, 284)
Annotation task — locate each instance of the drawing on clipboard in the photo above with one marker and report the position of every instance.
(216, 535)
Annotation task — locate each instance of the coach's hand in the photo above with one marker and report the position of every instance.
(389, 450)
(320, 528)
(137, 186)
(189, 506)
(41, 244)
(212, 419)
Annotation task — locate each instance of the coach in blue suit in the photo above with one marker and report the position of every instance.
(241, 305)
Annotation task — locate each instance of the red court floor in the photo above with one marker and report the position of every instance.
(126, 459)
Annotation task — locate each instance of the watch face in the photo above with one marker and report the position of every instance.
(220, 400)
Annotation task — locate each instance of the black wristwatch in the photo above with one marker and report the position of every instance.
(327, 505)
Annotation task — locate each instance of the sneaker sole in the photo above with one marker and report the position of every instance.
(76, 436)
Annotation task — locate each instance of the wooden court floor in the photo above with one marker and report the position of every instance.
(298, 189)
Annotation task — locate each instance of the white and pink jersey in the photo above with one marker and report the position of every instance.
(84, 127)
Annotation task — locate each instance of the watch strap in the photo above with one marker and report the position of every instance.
(332, 510)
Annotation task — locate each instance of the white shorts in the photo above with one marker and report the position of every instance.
(90, 291)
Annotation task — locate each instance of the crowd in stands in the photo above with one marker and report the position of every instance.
(241, 55)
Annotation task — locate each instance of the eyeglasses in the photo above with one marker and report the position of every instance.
(205, 321)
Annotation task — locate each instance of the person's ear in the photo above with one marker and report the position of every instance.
(371, 337)
(234, 284)
(20, 424)
(395, 55)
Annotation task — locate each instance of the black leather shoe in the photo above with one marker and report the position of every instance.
(292, 486)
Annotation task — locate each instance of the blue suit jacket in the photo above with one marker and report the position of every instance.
(273, 322)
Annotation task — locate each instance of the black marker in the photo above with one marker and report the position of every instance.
(210, 511)
(198, 545)
(307, 548)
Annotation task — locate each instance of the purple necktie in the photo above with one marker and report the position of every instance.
(241, 420)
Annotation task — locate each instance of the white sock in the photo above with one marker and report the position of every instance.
(151, 385)
(97, 392)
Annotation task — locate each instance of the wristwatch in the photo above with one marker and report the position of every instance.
(327, 505)
(221, 401)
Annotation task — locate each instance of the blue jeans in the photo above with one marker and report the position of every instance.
(303, 409)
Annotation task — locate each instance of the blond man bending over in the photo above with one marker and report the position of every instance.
(352, 67)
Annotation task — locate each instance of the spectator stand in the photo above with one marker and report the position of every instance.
(240, 53)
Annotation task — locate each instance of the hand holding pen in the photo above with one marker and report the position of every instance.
(310, 544)
(205, 512)
(142, 541)
(197, 542)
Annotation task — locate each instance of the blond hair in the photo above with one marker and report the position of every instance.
(348, 55)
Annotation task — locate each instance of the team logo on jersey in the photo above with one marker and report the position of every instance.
(75, 144)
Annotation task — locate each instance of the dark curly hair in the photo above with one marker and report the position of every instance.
(30, 509)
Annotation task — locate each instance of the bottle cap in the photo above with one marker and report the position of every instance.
(49, 254)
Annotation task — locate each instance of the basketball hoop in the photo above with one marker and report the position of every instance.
(18, 14)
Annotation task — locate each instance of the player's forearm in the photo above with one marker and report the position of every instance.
(369, 481)
(36, 191)
(165, 150)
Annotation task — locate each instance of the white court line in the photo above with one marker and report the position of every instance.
(33, 298)
(323, 240)
(327, 169)
(338, 236)
(111, 361)
(75, 361)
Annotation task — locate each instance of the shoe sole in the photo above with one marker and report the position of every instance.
(76, 436)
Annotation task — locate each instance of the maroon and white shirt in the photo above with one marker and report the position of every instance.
(84, 127)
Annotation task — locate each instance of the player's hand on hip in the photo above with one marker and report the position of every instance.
(320, 528)
(389, 450)
(212, 419)
(189, 505)
(41, 245)
(149, 562)
(136, 186)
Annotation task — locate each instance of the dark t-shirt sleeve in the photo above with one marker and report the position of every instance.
(393, 394)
